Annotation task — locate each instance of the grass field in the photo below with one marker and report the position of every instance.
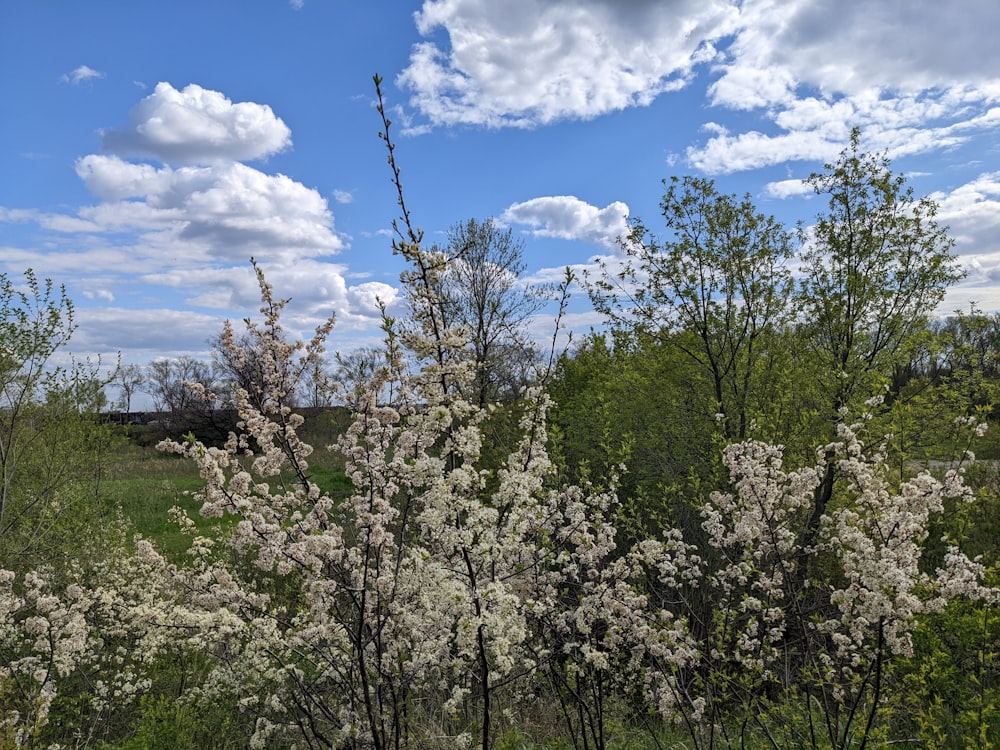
(144, 483)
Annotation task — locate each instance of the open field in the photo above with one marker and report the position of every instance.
(144, 483)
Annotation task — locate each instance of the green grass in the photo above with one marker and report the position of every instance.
(144, 484)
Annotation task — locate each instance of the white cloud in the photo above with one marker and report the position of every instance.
(364, 298)
(972, 215)
(142, 334)
(343, 196)
(569, 218)
(855, 48)
(813, 130)
(984, 296)
(915, 76)
(195, 226)
(732, 153)
(198, 126)
(185, 232)
(105, 295)
(787, 189)
(314, 289)
(573, 327)
(52, 222)
(83, 74)
(528, 62)
(228, 210)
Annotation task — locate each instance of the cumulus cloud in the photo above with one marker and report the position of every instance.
(210, 204)
(733, 153)
(198, 126)
(228, 210)
(184, 225)
(569, 218)
(915, 76)
(787, 189)
(529, 62)
(972, 214)
(83, 74)
(365, 298)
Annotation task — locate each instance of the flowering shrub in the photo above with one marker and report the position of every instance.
(821, 621)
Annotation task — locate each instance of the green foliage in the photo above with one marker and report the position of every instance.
(173, 716)
(950, 690)
(876, 264)
(632, 402)
(166, 723)
(52, 447)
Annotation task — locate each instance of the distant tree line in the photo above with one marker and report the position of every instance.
(481, 292)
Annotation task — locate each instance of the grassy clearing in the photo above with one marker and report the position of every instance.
(144, 483)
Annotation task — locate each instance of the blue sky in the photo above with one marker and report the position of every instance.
(148, 150)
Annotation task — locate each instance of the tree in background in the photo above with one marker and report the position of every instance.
(182, 409)
(875, 264)
(357, 369)
(130, 379)
(972, 343)
(236, 367)
(700, 348)
(167, 379)
(481, 288)
(717, 289)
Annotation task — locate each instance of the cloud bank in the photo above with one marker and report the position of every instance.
(179, 210)
(530, 62)
(915, 76)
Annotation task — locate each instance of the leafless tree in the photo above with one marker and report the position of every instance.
(130, 379)
(316, 388)
(184, 410)
(482, 289)
(167, 379)
(240, 367)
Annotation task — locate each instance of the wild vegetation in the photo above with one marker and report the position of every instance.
(747, 516)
